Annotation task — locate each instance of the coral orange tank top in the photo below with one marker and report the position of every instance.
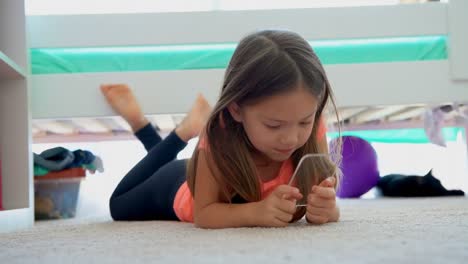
(183, 202)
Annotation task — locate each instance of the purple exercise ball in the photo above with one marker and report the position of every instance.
(359, 167)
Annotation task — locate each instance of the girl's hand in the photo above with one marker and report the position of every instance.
(321, 203)
(278, 208)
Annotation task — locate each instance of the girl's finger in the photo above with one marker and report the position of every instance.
(287, 192)
(287, 206)
(283, 217)
(316, 219)
(324, 192)
(328, 182)
(279, 223)
(318, 211)
(320, 202)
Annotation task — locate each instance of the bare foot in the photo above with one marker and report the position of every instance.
(124, 103)
(195, 120)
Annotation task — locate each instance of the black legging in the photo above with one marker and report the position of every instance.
(148, 190)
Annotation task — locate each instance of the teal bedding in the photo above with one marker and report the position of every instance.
(408, 135)
(217, 56)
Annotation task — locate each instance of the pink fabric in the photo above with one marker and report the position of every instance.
(433, 124)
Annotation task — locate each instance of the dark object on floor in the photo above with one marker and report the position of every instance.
(54, 159)
(398, 185)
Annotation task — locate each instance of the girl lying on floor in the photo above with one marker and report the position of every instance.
(267, 117)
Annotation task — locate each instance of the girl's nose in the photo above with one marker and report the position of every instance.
(289, 140)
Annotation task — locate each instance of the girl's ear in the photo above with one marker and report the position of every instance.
(235, 112)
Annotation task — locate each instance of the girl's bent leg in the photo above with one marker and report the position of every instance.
(154, 198)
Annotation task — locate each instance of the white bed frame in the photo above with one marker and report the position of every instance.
(161, 92)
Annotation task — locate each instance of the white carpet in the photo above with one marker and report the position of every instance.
(433, 230)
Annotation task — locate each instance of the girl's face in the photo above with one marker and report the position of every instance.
(280, 124)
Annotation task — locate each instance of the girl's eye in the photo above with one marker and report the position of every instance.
(305, 123)
(273, 127)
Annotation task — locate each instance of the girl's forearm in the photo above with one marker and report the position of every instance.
(224, 215)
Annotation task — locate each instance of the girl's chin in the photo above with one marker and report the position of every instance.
(280, 156)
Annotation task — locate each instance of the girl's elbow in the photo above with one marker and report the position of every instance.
(201, 222)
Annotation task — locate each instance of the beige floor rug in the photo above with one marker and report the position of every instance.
(432, 230)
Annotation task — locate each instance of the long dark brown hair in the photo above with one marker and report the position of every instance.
(264, 64)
